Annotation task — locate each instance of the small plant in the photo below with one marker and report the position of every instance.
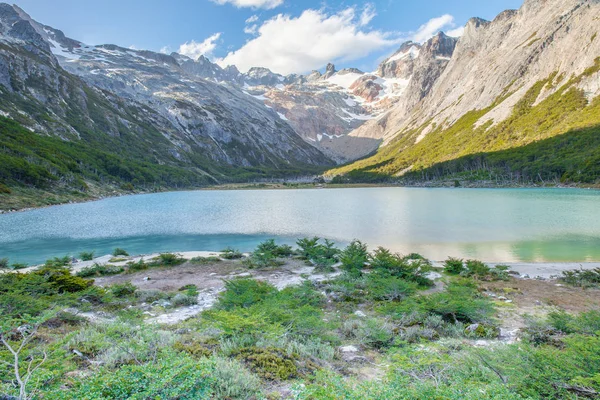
(123, 289)
(230, 253)
(169, 259)
(205, 260)
(86, 255)
(454, 266)
(137, 266)
(3, 263)
(243, 292)
(582, 277)
(269, 363)
(18, 266)
(99, 270)
(354, 257)
(120, 252)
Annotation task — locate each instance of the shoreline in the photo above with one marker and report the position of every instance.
(292, 186)
(526, 270)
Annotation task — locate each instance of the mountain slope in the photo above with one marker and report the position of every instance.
(140, 107)
(529, 75)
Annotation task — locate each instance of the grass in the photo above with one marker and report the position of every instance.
(258, 338)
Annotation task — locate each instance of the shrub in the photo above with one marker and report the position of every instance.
(387, 264)
(18, 266)
(205, 260)
(454, 266)
(232, 380)
(137, 266)
(99, 270)
(230, 253)
(3, 263)
(582, 278)
(354, 257)
(388, 288)
(243, 292)
(169, 259)
(86, 255)
(123, 289)
(120, 252)
(476, 268)
(269, 363)
(308, 247)
(181, 300)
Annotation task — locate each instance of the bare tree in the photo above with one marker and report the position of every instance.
(27, 333)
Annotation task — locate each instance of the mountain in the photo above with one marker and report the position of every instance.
(140, 106)
(517, 101)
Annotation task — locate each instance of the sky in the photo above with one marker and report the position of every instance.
(287, 36)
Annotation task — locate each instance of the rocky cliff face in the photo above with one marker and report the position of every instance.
(498, 71)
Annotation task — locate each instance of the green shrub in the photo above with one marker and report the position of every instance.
(123, 289)
(582, 277)
(99, 270)
(205, 260)
(388, 288)
(120, 252)
(182, 300)
(354, 257)
(476, 268)
(230, 253)
(3, 263)
(141, 265)
(86, 255)
(232, 380)
(244, 292)
(411, 269)
(454, 266)
(269, 363)
(169, 259)
(18, 266)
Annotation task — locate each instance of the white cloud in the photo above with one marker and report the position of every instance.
(165, 50)
(432, 27)
(194, 49)
(457, 32)
(296, 45)
(368, 14)
(251, 27)
(267, 4)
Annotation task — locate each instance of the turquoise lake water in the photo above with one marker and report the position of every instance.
(490, 224)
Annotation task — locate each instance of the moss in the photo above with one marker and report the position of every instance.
(195, 349)
(269, 363)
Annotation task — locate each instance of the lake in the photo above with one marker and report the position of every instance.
(490, 224)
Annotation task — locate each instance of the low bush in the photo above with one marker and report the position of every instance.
(230, 253)
(413, 269)
(122, 289)
(120, 252)
(182, 300)
(18, 266)
(99, 270)
(168, 259)
(205, 260)
(354, 257)
(244, 292)
(270, 363)
(582, 277)
(3, 263)
(86, 255)
(454, 266)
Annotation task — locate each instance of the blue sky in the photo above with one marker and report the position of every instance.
(284, 35)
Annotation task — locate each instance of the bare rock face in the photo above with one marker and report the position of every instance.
(401, 63)
(367, 88)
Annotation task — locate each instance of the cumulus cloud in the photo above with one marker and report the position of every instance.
(432, 27)
(267, 4)
(194, 49)
(286, 44)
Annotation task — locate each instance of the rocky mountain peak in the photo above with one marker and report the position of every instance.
(329, 71)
